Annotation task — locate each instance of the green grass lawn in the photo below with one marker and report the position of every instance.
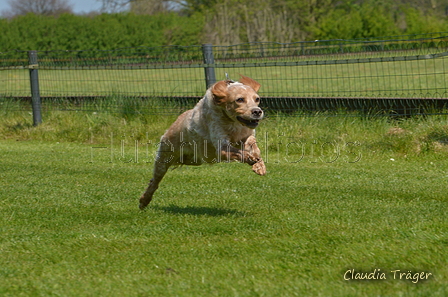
(70, 223)
(425, 78)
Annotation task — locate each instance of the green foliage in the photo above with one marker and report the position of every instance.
(185, 31)
(338, 24)
(417, 22)
(105, 31)
(221, 22)
(378, 20)
(369, 19)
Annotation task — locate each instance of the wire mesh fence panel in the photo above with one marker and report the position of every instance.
(121, 82)
(400, 74)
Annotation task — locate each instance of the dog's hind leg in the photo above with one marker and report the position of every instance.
(159, 172)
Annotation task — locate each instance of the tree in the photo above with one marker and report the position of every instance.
(235, 21)
(39, 7)
(114, 6)
(141, 6)
(149, 6)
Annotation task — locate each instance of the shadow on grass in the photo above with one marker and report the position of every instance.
(201, 211)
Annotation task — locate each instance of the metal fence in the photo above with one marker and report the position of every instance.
(401, 75)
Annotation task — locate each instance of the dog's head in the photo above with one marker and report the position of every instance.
(239, 100)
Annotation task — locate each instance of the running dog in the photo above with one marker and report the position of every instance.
(220, 128)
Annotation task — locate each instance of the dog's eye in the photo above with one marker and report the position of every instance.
(257, 99)
(240, 100)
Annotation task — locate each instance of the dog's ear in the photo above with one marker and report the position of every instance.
(219, 91)
(250, 82)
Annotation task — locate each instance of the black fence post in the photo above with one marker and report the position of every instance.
(209, 61)
(34, 82)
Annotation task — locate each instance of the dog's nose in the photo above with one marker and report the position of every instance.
(257, 112)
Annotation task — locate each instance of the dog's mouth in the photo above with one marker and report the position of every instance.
(248, 123)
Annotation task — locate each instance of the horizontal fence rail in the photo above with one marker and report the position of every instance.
(402, 75)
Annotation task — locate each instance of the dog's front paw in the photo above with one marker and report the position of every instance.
(250, 159)
(259, 167)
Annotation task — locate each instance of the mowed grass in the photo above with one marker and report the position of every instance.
(425, 78)
(340, 194)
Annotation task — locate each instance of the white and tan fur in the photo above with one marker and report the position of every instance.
(220, 128)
